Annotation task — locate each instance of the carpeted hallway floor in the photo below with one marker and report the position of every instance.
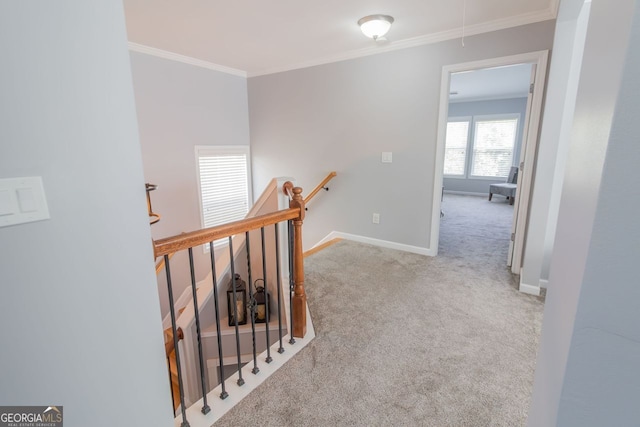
(476, 231)
(408, 340)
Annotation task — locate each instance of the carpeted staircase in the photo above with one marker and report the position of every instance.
(173, 369)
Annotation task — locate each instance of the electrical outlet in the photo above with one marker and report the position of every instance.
(376, 218)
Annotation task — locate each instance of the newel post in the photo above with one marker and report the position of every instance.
(299, 303)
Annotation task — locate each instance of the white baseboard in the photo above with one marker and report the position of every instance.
(544, 283)
(529, 289)
(466, 193)
(376, 242)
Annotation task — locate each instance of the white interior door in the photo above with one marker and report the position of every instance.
(523, 151)
(527, 161)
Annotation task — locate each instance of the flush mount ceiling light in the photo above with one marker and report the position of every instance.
(375, 26)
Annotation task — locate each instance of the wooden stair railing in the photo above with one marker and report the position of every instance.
(165, 247)
(185, 241)
(321, 186)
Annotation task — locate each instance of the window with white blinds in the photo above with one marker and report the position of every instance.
(223, 180)
(455, 148)
(493, 147)
(484, 150)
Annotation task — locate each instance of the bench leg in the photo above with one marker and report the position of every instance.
(490, 194)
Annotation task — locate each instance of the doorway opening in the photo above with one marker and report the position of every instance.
(487, 135)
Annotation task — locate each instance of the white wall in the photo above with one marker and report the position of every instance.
(564, 74)
(480, 108)
(180, 106)
(341, 116)
(80, 315)
(587, 361)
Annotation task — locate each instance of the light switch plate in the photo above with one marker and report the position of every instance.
(27, 200)
(22, 200)
(387, 157)
(6, 204)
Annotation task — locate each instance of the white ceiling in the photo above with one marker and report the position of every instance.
(253, 37)
(491, 83)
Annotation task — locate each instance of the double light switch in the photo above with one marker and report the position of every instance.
(22, 200)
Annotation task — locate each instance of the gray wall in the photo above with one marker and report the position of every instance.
(480, 108)
(180, 106)
(587, 369)
(341, 116)
(80, 315)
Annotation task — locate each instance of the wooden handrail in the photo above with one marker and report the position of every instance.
(169, 345)
(320, 186)
(318, 248)
(185, 241)
(153, 217)
(160, 265)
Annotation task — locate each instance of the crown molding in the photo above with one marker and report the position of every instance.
(135, 47)
(496, 25)
(499, 24)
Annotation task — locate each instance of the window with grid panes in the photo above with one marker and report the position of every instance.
(455, 151)
(493, 147)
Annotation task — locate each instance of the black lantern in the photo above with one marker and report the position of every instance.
(239, 306)
(263, 303)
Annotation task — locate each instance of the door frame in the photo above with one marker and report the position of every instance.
(523, 145)
(529, 144)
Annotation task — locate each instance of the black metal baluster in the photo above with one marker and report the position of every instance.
(235, 311)
(196, 312)
(223, 394)
(252, 306)
(172, 310)
(269, 359)
(291, 284)
(279, 282)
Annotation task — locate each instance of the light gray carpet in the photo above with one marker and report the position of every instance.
(408, 340)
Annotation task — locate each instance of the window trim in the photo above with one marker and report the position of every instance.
(213, 150)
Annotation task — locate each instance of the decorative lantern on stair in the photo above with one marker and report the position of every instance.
(237, 306)
(263, 303)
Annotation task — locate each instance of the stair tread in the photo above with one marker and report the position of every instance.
(225, 329)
